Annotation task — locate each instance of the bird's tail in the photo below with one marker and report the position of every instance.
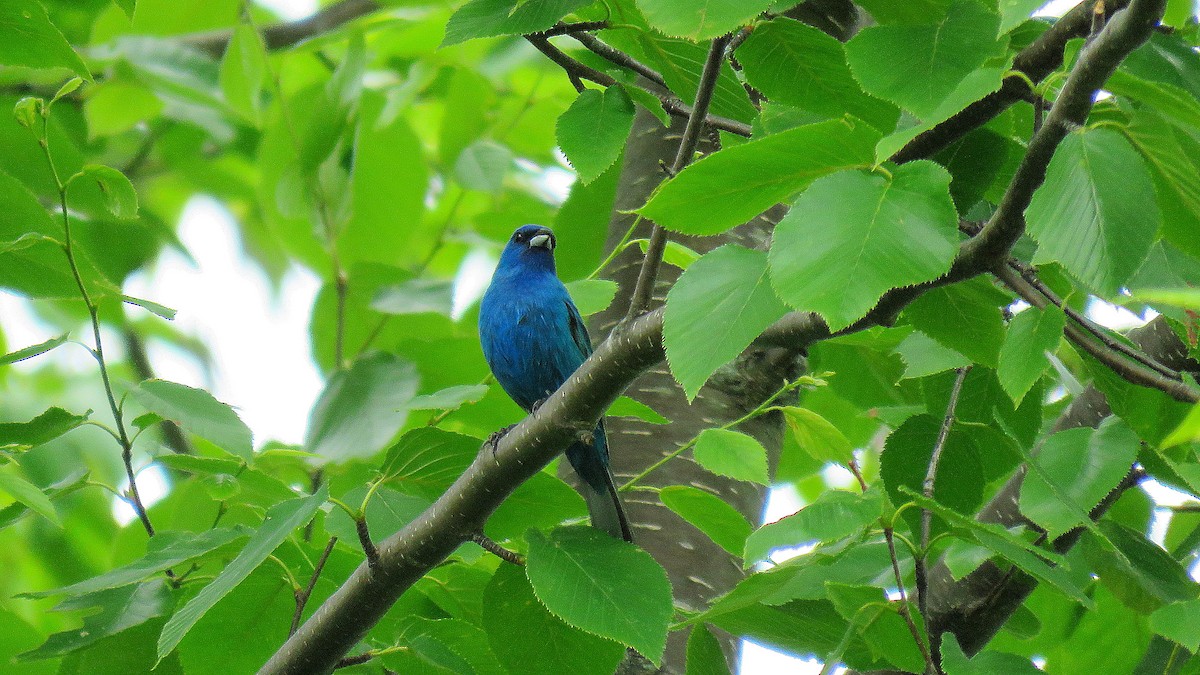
(599, 490)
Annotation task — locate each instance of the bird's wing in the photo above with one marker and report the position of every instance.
(579, 332)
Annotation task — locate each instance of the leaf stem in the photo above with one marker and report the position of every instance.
(761, 409)
(121, 436)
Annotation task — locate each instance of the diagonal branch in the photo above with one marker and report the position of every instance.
(1035, 62)
(281, 35)
(578, 71)
(643, 291)
(406, 556)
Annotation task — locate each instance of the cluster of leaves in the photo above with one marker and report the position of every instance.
(381, 153)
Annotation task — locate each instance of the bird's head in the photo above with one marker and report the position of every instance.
(530, 246)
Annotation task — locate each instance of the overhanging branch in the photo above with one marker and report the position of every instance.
(406, 556)
(281, 35)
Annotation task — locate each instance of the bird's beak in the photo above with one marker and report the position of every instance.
(543, 240)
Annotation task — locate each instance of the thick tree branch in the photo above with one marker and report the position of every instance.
(1127, 31)
(1036, 61)
(281, 35)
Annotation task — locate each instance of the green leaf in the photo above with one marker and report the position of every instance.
(16, 511)
(155, 308)
(1096, 212)
(675, 253)
(426, 461)
(362, 408)
(592, 296)
(592, 131)
(584, 577)
(450, 398)
(490, 18)
(905, 461)
(197, 412)
(33, 350)
(280, 521)
(704, 655)
(853, 236)
(816, 436)
(42, 429)
(700, 19)
(710, 514)
(482, 166)
(1139, 572)
(512, 613)
(127, 6)
(416, 296)
(1177, 622)
(834, 515)
(925, 356)
(243, 73)
(987, 662)
(715, 310)
(164, 551)
(119, 196)
(1171, 155)
(798, 65)
(918, 65)
(1031, 334)
(388, 185)
(1085, 465)
(119, 609)
(733, 454)
(1173, 102)
(28, 111)
(542, 502)
(28, 494)
(965, 317)
(733, 185)
(628, 407)
(1024, 555)
(27, 38)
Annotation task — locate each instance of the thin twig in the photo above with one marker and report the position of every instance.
(618, 57)
(303, 596)
(135, 498)
(579, 71)
(935, 459)
(889, 535)
(281, 35)
(488, 544)
(1131, 371)
(643, 291)
(364, 538)
(1030, 276)
(763, 407)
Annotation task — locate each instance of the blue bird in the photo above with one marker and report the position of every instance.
(533, 339)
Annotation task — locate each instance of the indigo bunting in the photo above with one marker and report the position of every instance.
(534, 339)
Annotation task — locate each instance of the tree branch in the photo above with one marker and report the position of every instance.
(1129, 370)
(578, 71)
(281, 35)
(1127, 31)
(618, 57)
(935, 459)
(1035, 62)
(303, 595)
(406, 556)
(643, 291)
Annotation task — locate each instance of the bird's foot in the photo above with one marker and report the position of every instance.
(493, 440)
(537, 404)
(586, 437)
